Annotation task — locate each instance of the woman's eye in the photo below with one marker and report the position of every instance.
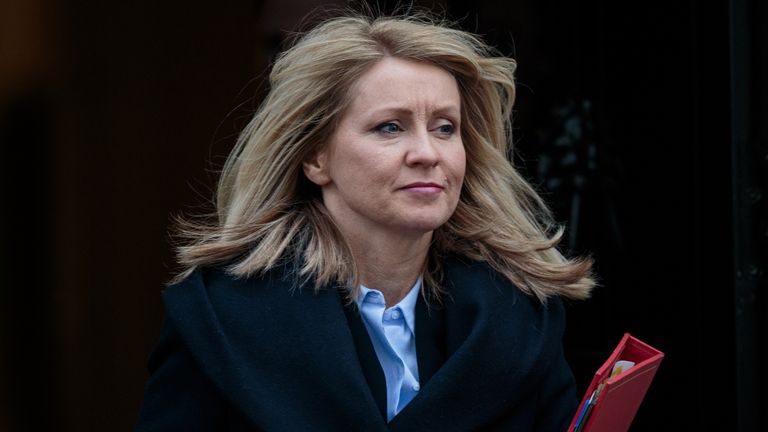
(388, 128)
(446, 129)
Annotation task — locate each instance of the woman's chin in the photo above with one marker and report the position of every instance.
(423, 226)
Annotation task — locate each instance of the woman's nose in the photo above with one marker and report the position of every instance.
(421, 150)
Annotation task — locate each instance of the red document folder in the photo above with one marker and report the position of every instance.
(614, 405)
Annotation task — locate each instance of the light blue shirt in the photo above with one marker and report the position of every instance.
(393, 334)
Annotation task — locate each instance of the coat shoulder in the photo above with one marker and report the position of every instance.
(477, 281)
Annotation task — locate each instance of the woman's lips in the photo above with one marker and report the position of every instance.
(422, 187)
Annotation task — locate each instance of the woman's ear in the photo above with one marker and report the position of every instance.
(316, 168)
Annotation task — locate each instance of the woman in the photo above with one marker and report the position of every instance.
(377, 262)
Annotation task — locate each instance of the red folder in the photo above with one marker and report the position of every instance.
(610, 403)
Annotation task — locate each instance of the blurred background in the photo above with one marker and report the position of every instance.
(645, 125)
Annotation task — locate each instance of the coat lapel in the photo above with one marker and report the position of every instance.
(283, 356)
(430, 338)
(491, 356)
(374, 375)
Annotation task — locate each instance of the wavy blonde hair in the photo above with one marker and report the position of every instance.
(269, 213)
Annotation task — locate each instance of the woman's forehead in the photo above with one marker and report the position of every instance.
(395, 84)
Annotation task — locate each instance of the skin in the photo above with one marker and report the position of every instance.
(392, 171)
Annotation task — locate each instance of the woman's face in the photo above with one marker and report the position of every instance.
(395, 164)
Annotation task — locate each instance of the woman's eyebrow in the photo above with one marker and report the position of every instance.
(452, 110)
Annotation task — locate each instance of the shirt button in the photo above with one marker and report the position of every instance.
(416, 387)
(395, 315)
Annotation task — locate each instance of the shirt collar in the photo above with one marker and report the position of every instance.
(407, 305)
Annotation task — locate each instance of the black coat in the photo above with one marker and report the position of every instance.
(265, 353)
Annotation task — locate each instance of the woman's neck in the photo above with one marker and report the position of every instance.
(390, 264)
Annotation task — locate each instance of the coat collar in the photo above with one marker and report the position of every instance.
(268, 345)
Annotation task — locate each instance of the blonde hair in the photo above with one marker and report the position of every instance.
(270, 214)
